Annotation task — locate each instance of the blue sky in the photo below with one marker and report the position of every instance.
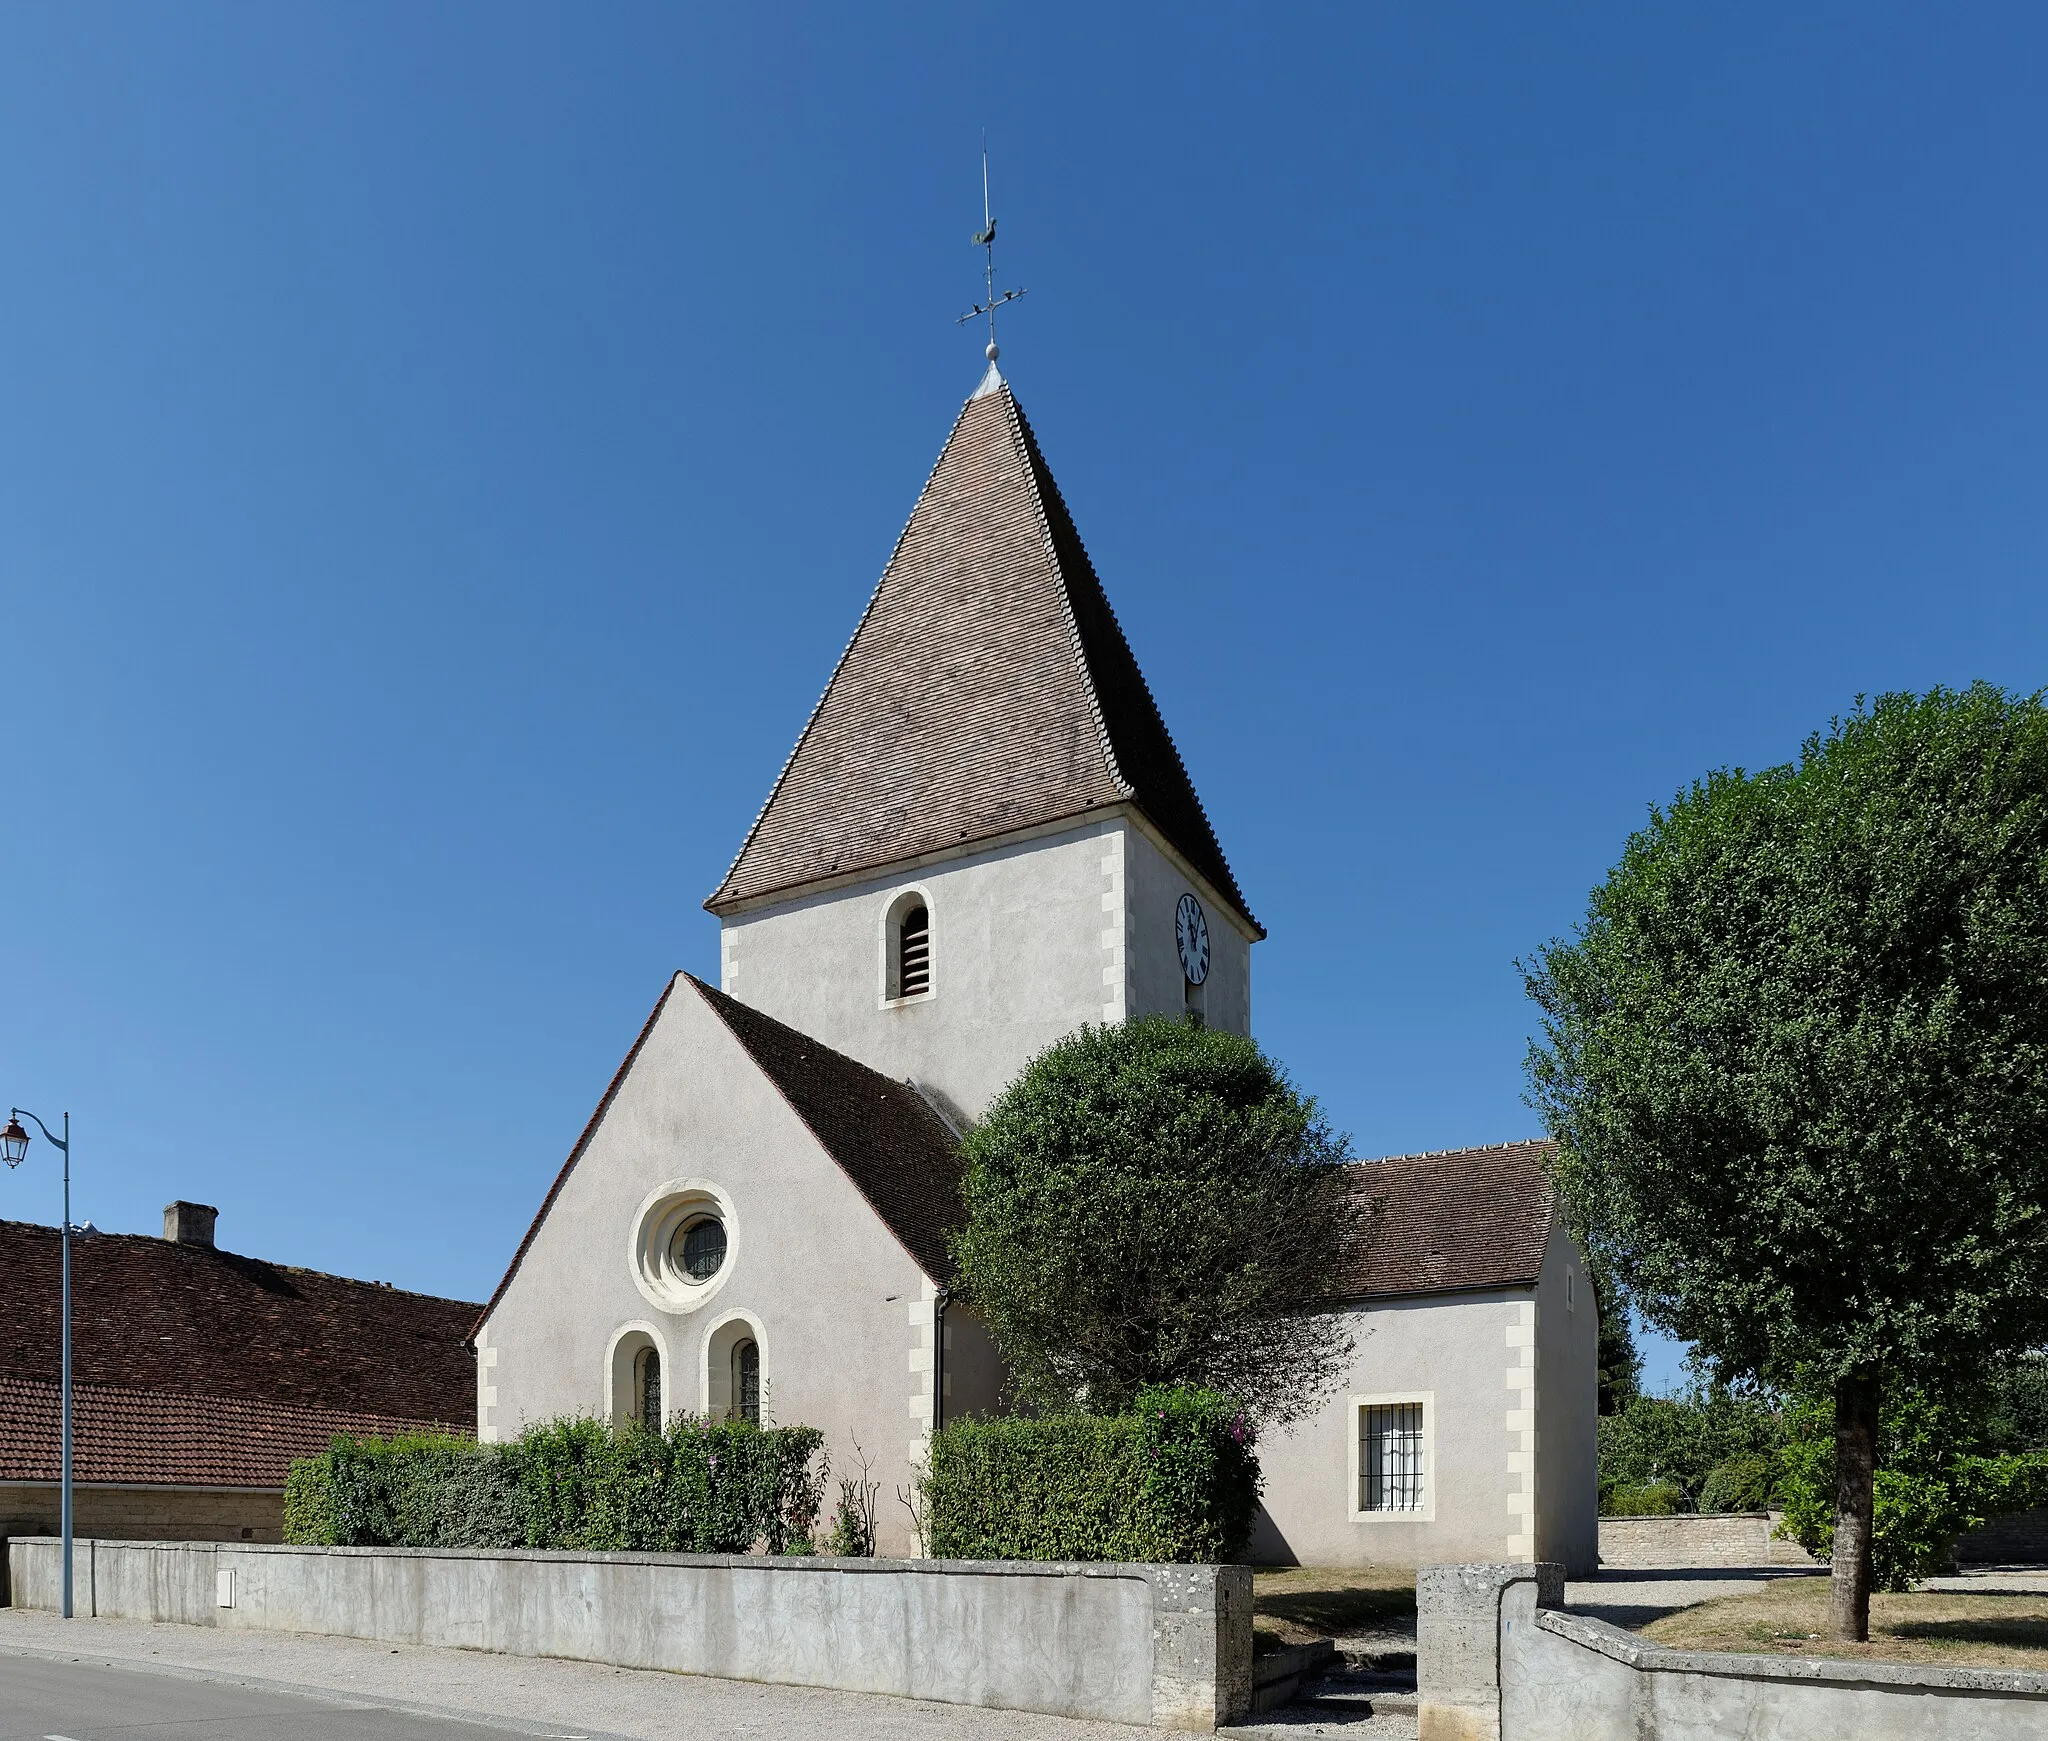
(443, 450)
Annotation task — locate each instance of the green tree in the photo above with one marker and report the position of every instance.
(1796, 1059)
(1620, 1366)
(1682, 1441)
(1155, 1204)
(1940, 1474)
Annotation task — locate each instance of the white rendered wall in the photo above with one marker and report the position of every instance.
(842, 1313)
(1029, 940)
(1452, 1351)
(1567, 1409)
(1156, 984)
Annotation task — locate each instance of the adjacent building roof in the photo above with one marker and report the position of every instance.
(883, 1133)
(158, 1316)
(1457, 1220)
(987, 689)
(161, 1438)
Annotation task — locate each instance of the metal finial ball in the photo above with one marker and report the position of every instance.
(993, 353)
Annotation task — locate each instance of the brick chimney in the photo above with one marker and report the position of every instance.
(189, 1223)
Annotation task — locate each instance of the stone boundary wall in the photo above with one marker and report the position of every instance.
(1557, 1676)
(1166, 1646)
(2020, 1539)
(1725, 1538)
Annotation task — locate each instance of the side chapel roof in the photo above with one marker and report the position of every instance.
(883, 1133)
(988, 688)
(1456, 1220)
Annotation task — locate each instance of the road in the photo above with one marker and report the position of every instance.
(45, 1700)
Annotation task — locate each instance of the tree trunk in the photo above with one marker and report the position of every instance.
(1856, 1402)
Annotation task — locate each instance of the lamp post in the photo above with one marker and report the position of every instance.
(14, 1150)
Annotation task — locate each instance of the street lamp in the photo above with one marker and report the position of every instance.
(14, 1150)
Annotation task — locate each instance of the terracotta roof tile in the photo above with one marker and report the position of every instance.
(163, 1438)
(151, 1314)
(1460, 1219)
(887, 1139)
(988, 688)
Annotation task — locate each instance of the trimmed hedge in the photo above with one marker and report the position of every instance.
(695, 1487)
(1176, 1480)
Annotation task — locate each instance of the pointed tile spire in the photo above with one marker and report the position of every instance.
(988, 688)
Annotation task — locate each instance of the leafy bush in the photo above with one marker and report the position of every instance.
(1745, 1482)
(1653, 1499)
(697, 1487)
(1932, 1485)
(1176, 1479)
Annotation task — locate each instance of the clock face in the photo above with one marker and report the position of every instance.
(1191, 932)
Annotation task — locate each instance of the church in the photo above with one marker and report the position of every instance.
(984, 838)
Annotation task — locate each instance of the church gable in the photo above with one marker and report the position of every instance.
(880, 1135)
(987, 689)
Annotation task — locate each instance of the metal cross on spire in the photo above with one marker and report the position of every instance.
(986, 239)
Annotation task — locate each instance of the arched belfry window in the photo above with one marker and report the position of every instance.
(914, 951)
(908, 942)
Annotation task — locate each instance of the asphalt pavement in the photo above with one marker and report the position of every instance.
(43, 1699)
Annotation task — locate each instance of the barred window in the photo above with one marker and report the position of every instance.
(650, 1387)
(746, 1381)
(700, 1247)
(914, 953)
(1390, 1471)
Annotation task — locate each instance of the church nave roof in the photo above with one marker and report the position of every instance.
(988, 688)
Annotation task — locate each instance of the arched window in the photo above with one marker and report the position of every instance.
(914, 952)
(647, 1387)
(746, 1380)
(908, 940)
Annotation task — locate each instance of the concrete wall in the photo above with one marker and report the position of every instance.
(1029, 940)
(1565, 1677)
(1168, 1646)
(207, 1514)
(1730, 1538)
(1563, 1451)
(842, 1314)
(1497, 1658)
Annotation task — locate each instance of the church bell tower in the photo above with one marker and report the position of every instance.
(985, 836)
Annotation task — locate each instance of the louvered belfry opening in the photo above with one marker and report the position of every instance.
(914, 953)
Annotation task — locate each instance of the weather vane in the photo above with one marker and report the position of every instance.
(986, 239)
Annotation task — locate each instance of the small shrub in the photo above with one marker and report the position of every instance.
(852, 1536)
(1652, 1499)
(1176, 1479)
(1744, 1483)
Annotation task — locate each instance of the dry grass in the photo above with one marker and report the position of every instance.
(1299, 1604)
(1789, 1617)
